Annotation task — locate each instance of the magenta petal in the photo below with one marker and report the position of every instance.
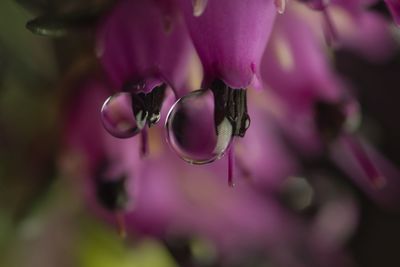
(389, 193)
(261, 155)
(230, 37)
(297, 70)
(143, 39)
(294, 65)
(369, 35)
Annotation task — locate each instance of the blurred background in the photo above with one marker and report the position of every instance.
(43, 222)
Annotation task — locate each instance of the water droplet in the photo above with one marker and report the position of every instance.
(191, 129)
(198, 7)
(280, 6)
(118, 117)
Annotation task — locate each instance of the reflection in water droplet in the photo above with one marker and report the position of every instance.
(191, 130)
(198, 7)
(118, 117)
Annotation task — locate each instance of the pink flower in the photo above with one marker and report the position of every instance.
(143, 43)
(317, 112)
(230, 37)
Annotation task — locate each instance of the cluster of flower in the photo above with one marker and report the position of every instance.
(263, 61)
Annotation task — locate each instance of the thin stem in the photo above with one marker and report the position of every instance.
(358, 151)
(231, 165)
(120, 218)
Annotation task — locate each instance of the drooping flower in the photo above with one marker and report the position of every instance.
(230, 43)
(305, 106)
(229, 40)
(143, 47)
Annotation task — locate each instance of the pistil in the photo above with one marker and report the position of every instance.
(230, 104)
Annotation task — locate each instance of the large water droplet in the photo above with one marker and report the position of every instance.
(198, 7)
(191, 129)
(118, 117)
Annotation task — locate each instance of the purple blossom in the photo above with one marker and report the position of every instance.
(306, 113)
(229, 40)
(143, 47)
(316, 97)
(143, 43)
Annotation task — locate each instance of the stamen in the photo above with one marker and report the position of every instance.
(280, 6)
(198, 7)
(231, 165)
(370, 169)
(120, 218)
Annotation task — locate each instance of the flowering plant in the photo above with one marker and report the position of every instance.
(177, 96)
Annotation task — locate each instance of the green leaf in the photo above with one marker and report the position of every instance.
(57, 26)
(101, 247)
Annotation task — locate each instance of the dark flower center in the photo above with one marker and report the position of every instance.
(231, 104)
(111, 193)
(147, 106)
(329, 119)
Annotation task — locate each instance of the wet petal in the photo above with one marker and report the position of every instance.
(132, 44)
(229, 40)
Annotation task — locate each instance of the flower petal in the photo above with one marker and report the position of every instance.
(143, 39)
(230, 37)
